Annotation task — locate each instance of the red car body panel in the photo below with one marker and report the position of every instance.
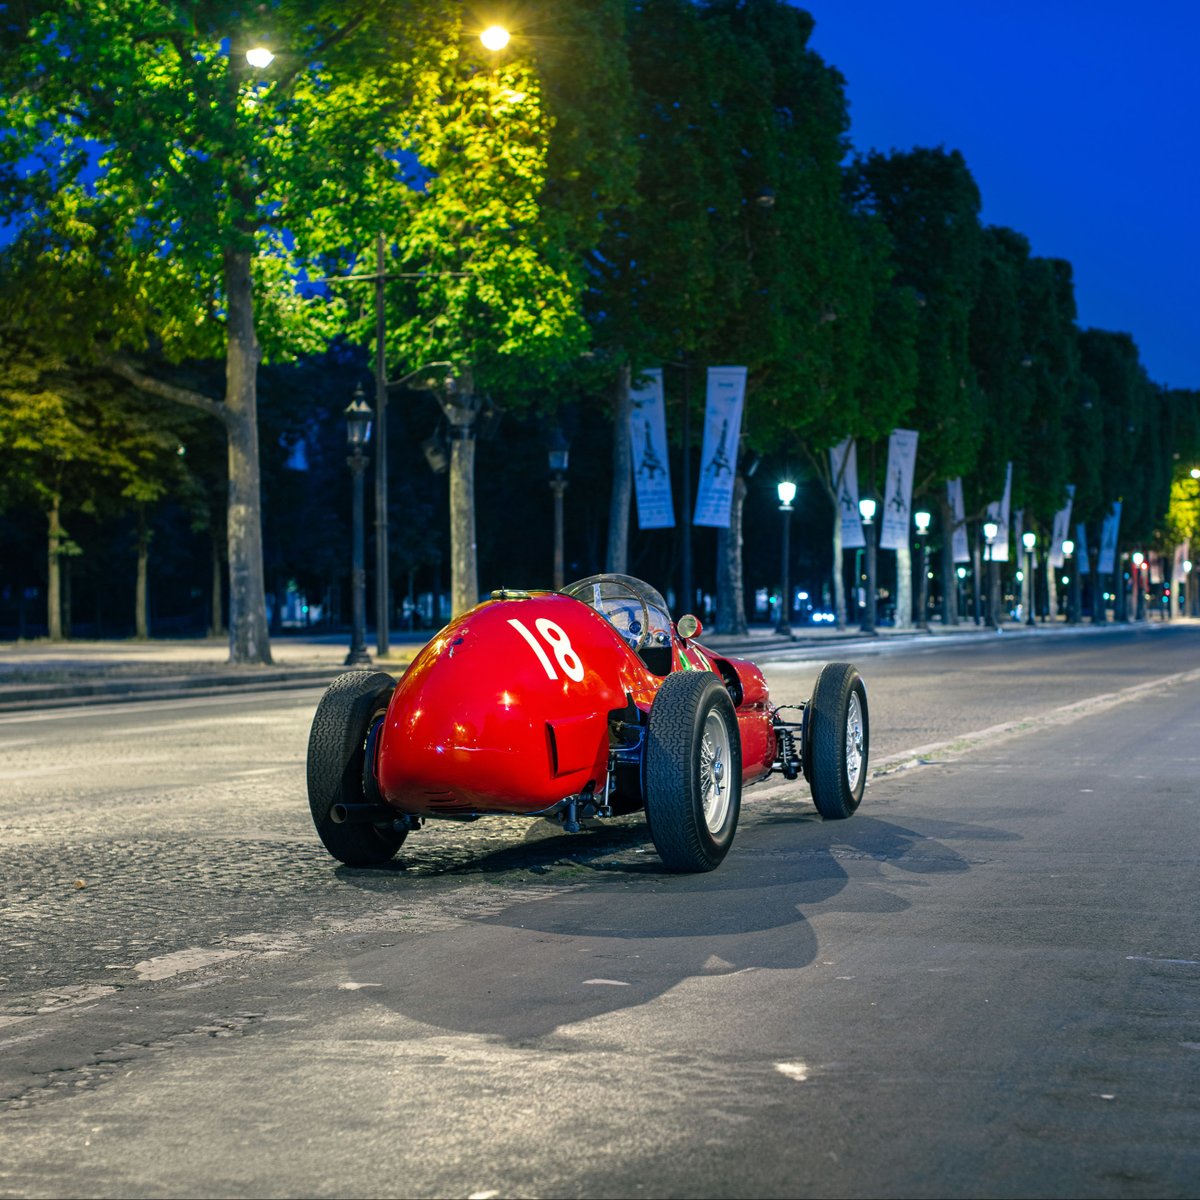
(507, 710)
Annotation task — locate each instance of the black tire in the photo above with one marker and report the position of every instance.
(692, 827)
(336, 754)
(837, 741)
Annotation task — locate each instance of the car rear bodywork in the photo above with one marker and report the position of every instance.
(520, 704)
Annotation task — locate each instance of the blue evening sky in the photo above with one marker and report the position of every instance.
(1080, 121)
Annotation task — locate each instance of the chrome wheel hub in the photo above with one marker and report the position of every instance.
(854, 742)
(714, 760)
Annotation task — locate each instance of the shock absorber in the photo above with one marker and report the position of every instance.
(788, 760)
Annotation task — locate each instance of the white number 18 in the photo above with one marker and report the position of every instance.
(556, 638)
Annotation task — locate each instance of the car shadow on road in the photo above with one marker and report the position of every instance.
(610, 933)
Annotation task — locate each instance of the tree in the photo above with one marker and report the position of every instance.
(930, 204)
(488, 244)
(78, 440)
(180, 189)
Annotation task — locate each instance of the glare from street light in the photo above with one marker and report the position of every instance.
(787, 493)
(1068, 547)
(495, 37)
(1030, 540)
(866, 508)
(990, 529)
(922, 519)
(259, 56)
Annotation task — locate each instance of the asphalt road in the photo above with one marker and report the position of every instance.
(983, 984)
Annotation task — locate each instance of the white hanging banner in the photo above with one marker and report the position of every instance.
(1107, 558)
(648, 441)
(718, 458)
(897, 496)
(999, 514)
(1081, 552)
(959, 546)
(1062, 528)
(843, 472)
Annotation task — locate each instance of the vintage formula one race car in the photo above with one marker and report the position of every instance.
(574, 705)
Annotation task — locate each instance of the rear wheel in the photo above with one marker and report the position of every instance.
(337, 766)
(693, 771)
(837, 741)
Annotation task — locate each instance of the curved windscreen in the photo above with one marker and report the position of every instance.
(628, 604)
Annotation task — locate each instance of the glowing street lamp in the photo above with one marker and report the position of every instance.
(1139, 583)
(787, 493)
(866, 509)
(260, 57)
(494, 37)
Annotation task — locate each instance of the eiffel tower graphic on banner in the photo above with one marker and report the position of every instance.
(720, 459)
(651, 464)
(897, 501)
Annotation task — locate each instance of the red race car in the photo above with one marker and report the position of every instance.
(572, 705)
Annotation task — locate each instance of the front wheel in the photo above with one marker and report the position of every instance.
(837, 741)
(337, 764)
(693, 771)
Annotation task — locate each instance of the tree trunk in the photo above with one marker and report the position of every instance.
(141, 608)
(839, 573)
(53, 579)
(464, 569)
(216, 625)
(65, 561)
(904, 588)
(731, 594)
(949, 575)
(249, 641)
(617, 558)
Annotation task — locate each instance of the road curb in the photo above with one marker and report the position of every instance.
(18, 696)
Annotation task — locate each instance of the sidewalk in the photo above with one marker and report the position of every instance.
(53, 674)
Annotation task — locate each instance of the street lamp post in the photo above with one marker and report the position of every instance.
(990, 530)
(1189, 600)
(866, 508)
(1072, 582)
(358, 434)
(922, 520)
(960, 607)
(1030, 540)
(558, 455)
(787, 493)
(1139, 604)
